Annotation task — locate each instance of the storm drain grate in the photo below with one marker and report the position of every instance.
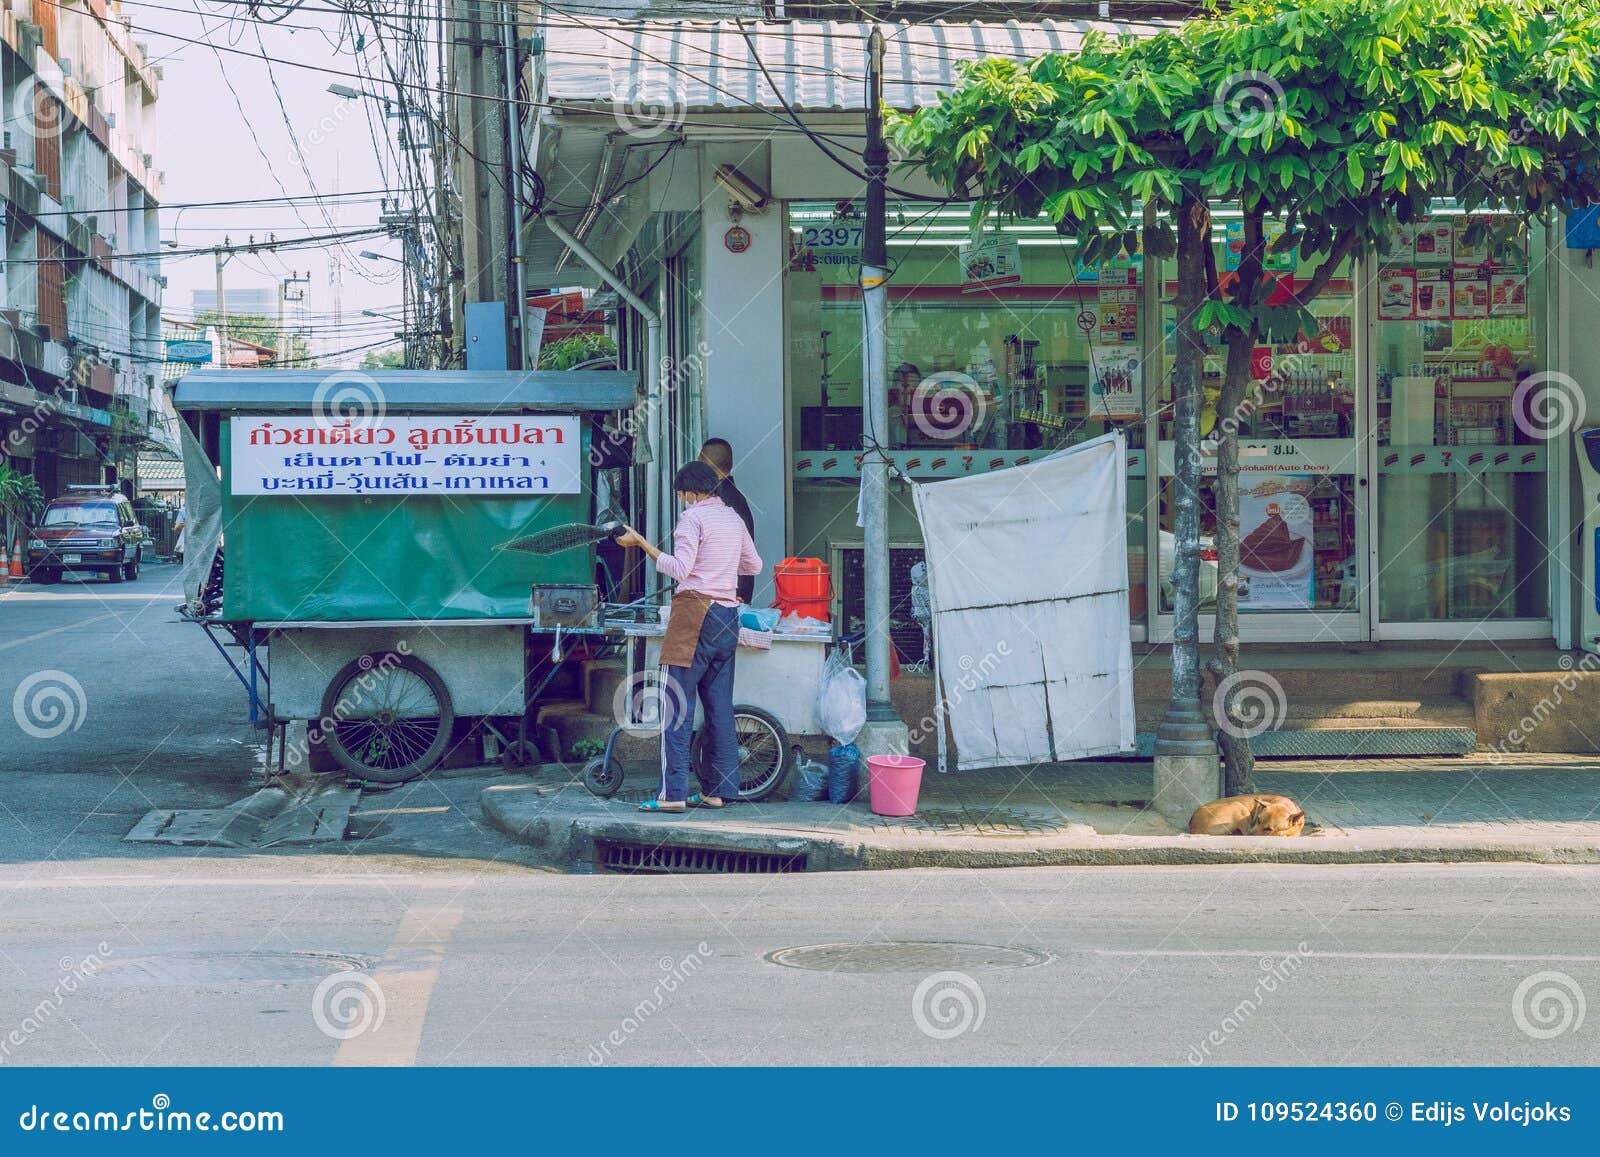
(622, 856)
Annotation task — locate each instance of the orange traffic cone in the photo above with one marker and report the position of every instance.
(5, 561)
(17, 570)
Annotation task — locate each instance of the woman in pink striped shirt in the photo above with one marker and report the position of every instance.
(710, 550)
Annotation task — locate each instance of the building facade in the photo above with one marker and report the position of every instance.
(80, 332)
(1400, 481)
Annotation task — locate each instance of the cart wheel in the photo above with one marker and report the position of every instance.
(518, 755)
(602, 776)
(763, 753)
(387, 717)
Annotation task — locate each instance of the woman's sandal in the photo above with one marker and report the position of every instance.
(698, 800)
(656, 805)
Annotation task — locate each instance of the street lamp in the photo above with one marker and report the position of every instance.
(371, 256)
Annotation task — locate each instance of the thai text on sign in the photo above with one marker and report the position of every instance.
(524, 454)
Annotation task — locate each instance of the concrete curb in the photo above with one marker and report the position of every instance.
(569, 834)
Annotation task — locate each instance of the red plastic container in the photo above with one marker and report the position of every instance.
(802, 580)
(819, 609)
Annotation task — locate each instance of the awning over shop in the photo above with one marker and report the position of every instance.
(405, 391)
(814, 65)
(614, 88)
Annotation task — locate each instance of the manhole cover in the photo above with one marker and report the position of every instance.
(905, 956)
(191, 968)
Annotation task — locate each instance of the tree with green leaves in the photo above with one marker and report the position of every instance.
(1336, 118)
(263, 331)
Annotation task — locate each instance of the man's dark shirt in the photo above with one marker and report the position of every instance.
(729, 493)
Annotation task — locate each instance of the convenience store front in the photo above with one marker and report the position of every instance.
(1400, 481)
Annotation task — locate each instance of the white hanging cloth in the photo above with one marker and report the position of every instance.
(1028, 580)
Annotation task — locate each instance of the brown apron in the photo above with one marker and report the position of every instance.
(683, 627)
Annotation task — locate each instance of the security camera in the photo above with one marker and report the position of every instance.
(744, 194)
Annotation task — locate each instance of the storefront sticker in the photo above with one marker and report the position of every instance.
(1276, 548)
(1471, 297)
(1433, 294)
(528, 454)
(1283, 262)
(1508, 295)
(1463, 254)
(736, 239)
(1397, 295)
(988, 261)
(1119, 316)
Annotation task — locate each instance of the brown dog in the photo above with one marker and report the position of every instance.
(1248, 815)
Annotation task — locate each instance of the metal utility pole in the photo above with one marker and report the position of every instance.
(1186, 769)
(223, 252)
(516, 294)
(283, 296)
(875, 393)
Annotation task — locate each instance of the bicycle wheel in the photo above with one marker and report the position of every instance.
(386, 718)
(763, 753)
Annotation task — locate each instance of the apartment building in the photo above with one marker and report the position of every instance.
(81, 348)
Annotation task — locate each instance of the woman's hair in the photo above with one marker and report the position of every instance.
(695, 478)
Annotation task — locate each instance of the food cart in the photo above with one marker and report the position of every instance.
(353, 575)
(356, 573)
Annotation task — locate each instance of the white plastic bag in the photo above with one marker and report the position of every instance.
(841, 698)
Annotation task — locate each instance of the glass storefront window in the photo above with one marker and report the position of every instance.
(1298, 458)
(1461, 486)
(1000, 350)
(1006, 345)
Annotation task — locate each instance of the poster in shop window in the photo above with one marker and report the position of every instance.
(990, 261)
(1276, 543)
(1116, 387)
(1397, 295)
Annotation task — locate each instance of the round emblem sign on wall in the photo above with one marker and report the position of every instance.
(737, 239)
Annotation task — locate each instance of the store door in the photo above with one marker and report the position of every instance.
(1303, 485)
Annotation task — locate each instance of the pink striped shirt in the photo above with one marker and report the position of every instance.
(710, 550)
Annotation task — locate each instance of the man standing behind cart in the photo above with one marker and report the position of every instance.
(710, 550)
(718, 454)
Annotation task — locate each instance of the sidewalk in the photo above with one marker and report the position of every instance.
(1541, 809)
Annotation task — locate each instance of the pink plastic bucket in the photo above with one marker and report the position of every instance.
(894, 781)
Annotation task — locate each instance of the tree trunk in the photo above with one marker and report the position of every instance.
(1233, 734)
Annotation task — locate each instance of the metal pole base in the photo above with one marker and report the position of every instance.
(1188, 771)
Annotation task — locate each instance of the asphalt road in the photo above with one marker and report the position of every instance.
(430, 940)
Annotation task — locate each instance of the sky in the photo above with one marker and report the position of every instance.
(225, 137)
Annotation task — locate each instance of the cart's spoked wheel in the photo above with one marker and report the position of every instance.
(603, 776)
(763, 754)
(387, 717)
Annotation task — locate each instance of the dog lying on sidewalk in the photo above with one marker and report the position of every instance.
(1248, 815)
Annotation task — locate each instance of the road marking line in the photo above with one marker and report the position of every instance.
(1318, 954)
(405, 978)
(34, 638)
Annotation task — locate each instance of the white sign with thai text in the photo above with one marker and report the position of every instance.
(519, 454)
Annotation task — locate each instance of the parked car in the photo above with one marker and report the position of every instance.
(87, 531)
